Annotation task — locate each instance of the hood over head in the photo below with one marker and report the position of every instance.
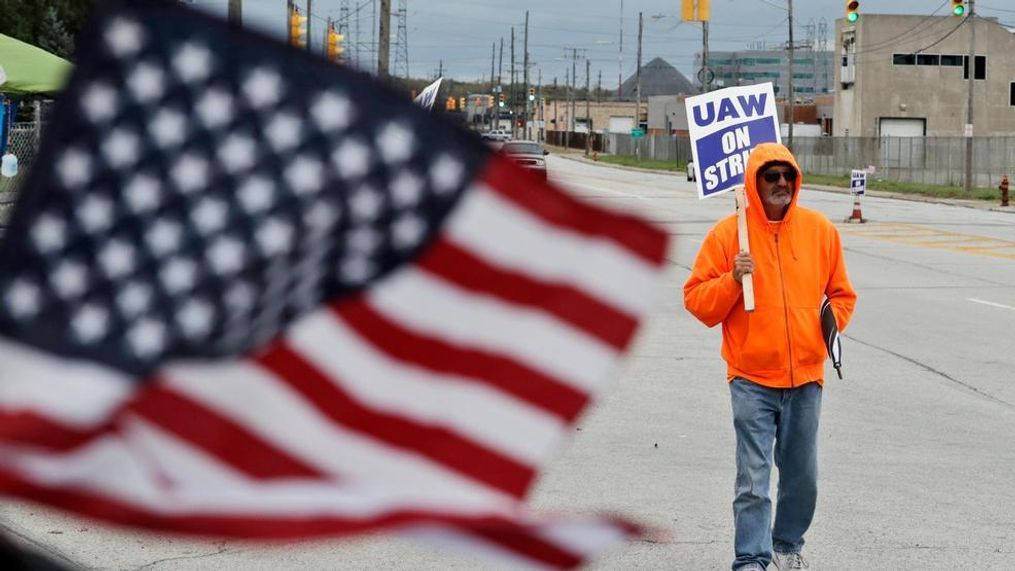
(760, 156)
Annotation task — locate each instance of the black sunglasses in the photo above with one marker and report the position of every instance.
(773, 176)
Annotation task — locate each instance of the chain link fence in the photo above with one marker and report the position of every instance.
(23, 143)
(922, 160)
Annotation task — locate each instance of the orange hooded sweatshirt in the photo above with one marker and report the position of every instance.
(797, 263)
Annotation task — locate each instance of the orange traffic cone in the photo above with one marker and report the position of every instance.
(856, 216)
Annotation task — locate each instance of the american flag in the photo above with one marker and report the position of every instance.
(248, 293)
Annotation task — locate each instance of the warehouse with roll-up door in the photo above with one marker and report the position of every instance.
(908, 76)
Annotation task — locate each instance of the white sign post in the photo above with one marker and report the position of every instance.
(724, 126)
(857, 187)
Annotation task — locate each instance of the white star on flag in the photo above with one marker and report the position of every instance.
(22, 298)
(168, 128)
(147, 337)
(352, 159)
(75, 168)
(49, 233)
(256, 194)
(134, 298)
(283, 131)
(96, 213)
(215, 108)
(147, 82)
(192, 62)
(263, 87)
(99, 103)
(124, 37)
(237, 153)
(90, 323)
(395, 143)
(332, 112)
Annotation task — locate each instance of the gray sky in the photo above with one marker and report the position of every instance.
(462, 32)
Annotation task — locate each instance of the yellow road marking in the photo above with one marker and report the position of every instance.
(915, 235)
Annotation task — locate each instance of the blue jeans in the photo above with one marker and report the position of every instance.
(783, 422)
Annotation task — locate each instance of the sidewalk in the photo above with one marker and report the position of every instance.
(579, 155)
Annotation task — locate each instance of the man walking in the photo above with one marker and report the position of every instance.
(775, 356)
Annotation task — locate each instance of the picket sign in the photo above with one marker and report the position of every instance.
(724, 126)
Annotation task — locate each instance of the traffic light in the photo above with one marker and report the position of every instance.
(532, 93)
(501, 103)
(461, 104)
(852, 7)
(489, 101)
(335, 49)
(297, 31)
(694, 10)
(959, 7)
(449, 105)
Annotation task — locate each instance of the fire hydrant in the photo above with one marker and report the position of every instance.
(1004, 190)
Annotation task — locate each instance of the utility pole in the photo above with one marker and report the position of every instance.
(493, 84)
(792, 97)
(556, 124)
(236, 12)
(637, 88)
(541, 128)
(525, 73)
(567, 104)
(500, 63)
(310, 22)
(574, 89)
(440, 69)
(384, 39)
(969, 98)
(588, 112)
(288, 14)
(512, 104)
(599, 88)
(620, 57)
(706, 82)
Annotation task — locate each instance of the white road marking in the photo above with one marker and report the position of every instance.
(990, 303)
(602, 189)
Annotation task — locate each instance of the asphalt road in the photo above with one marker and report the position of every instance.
(917, 443)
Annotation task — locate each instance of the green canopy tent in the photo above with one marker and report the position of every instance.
(30, 70)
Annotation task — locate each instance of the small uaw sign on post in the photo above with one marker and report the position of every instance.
(724, 126)
(857, 187)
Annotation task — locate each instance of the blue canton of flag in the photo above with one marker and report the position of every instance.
(250, 293)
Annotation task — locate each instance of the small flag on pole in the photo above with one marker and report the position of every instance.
(426, 98)
(248, 293)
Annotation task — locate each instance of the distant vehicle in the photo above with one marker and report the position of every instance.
(496, 135)
(528, 155)
(690, 171)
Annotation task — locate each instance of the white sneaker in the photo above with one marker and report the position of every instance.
(786, 561)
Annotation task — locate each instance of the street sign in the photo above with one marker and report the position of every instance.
(724, 126)
(637, 133)
(706, 76)
(857, 181)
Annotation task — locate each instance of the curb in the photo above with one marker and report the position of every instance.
(960, 202)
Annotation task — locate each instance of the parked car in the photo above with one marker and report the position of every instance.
(690, 171)
(528, 155)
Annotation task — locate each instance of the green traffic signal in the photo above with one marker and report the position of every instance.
(959, 10)
(852, 11)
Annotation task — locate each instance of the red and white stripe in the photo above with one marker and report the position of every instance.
(428, 403)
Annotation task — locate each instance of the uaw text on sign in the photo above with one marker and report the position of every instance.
(724, 126)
